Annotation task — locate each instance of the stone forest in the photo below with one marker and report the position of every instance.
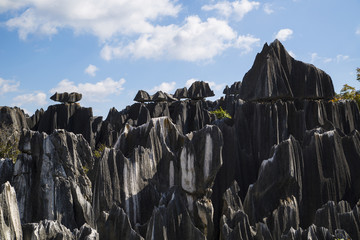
(274, 158)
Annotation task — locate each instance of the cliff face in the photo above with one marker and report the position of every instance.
(284, 167)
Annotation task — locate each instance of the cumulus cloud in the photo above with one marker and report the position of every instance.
(8, 86)
(38, 98)
(284, 34)
(95, 92)
(91, 70)
(339, 58)
(213, 86)
(104, 19)
(246, 43)
(167, 87)
(268, 9)
(237, 9)
(196, 40)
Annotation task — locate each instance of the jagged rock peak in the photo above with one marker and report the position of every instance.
(66, 97)
(142, 96)
(199, 90)
(277, 75)
(233, 89)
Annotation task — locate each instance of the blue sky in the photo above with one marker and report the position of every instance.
(109, 49)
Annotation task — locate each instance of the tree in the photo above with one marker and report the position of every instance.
(358, 74)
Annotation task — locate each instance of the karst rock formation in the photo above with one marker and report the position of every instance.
(284, 166)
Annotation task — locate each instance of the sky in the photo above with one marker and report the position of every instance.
(109, 49)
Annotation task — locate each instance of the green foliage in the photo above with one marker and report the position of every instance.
(86, 169)
(9, 150)
(98, 152)
(358, 74)
(221, 113)
(348, 93)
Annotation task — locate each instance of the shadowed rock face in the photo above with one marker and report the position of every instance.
(277, 75)
(284, 167)
(66, 97)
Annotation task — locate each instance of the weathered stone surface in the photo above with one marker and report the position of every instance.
(200, 90)
(148, 160)
(276, 75)
(73, 118)
(86, 233)
(12, 122)
(66, 97)
(46, 230)
(159, 96)
(285, 217)
(339, 216)
(6, 170)
(172, 219)
(116, 225)
(234, 89)
(50, 179)
(10, 225)
(181, 93)
(142, 96)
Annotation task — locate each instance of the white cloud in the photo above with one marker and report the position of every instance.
(340, 57)
(91, 70)
(190, 81)
(213, 86)
(104, 19)
(314, 57)
(8, 86)
(238, 9)
(196, 40)
(358, 31)
(268, 9)
(95, 92)
(167, 87)
(30, 98)
(284, 34)
(246, 43)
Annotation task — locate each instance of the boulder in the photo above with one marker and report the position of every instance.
(276, 75)
(181, 93)
(159, 96)
(66, 97)
(200, 90)
(142, 96)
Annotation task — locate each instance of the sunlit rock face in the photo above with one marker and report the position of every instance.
(285, 166)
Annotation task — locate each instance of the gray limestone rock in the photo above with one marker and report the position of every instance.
(10, 225)
(46, 230)
(200, 90)
(181, 93)
(142, 96)
(50, 178)
(277, 75)
(66, 97)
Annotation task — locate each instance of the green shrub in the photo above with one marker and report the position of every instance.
(9, 150)
(348, 93)
(99, 151)
(221, 113)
